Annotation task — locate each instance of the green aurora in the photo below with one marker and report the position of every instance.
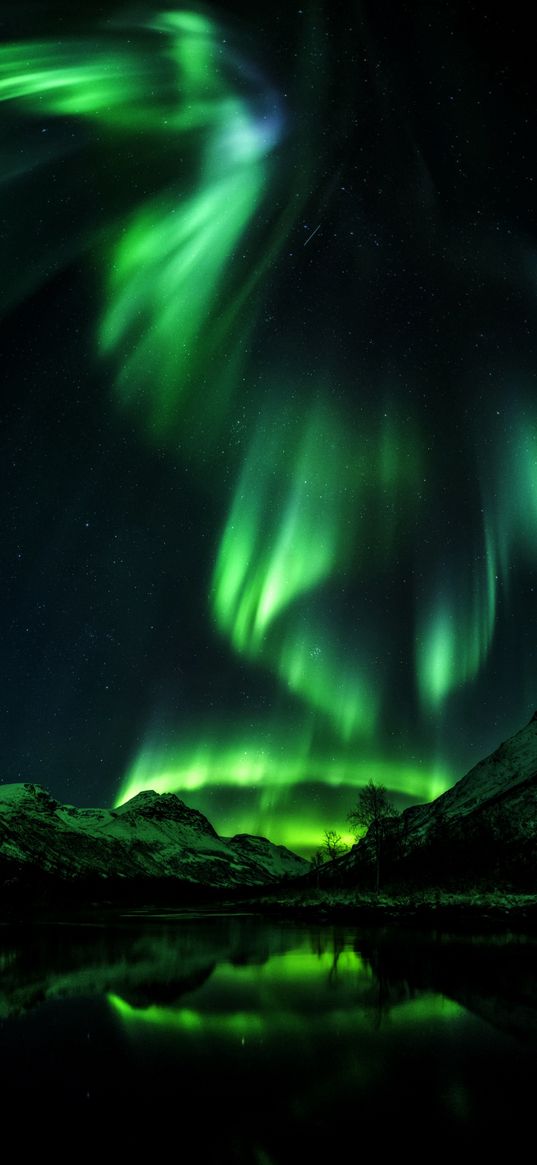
(318, 507)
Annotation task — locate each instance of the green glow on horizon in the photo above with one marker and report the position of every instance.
(249, 766)
(273, 771)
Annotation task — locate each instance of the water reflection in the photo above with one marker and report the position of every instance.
(300, 993)
(224, 1011)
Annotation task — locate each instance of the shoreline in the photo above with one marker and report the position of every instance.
(423, 910)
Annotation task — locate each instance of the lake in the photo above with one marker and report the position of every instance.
(249, 1040)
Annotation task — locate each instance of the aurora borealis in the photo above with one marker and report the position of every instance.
(270, 435)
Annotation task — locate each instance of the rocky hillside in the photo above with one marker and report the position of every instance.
(150, 838)
(484, 827)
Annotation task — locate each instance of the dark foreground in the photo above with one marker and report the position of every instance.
(453, 910)
(252, 1040)
(457, 910)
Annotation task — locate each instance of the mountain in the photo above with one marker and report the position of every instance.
(483, 828)
(152, 838)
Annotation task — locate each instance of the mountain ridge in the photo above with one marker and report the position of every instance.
(483, 827)
(152, 836)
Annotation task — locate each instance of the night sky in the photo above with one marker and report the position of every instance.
(269, 424)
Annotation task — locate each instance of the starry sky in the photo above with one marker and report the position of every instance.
(269, 425)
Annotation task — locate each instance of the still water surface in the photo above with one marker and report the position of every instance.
(262, 1042)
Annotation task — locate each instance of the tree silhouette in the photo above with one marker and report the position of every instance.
(372, 810)
(333, 845)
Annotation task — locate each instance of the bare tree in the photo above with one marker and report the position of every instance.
(333, 845)
(372, 810)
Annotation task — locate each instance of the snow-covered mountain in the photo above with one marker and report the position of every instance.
(150, 837)
(484, 827)
(503, 785)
